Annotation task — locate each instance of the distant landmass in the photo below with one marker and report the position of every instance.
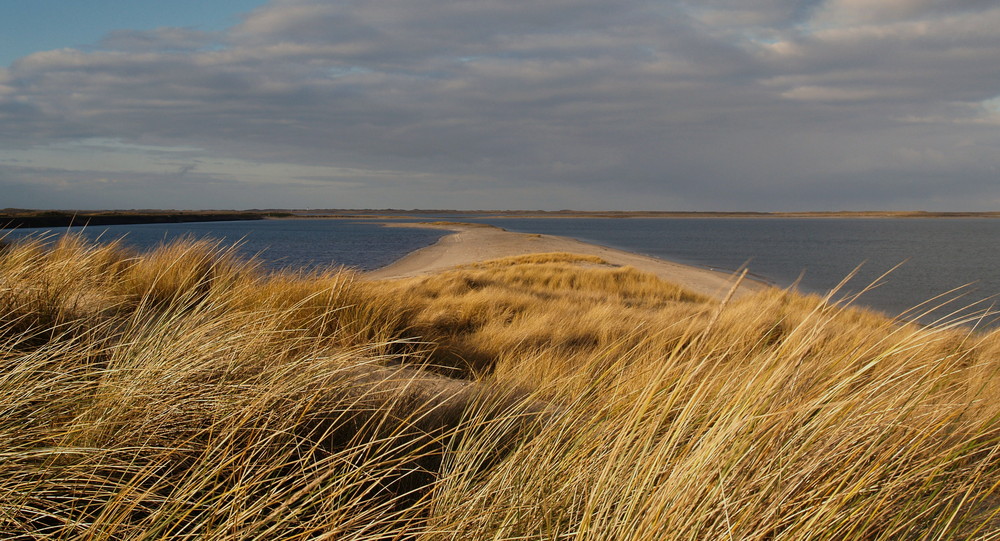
(378, 213)
(22, 218)
(18, 218)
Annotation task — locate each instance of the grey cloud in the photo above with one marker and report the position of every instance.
(455, 22)
(889, 71)
(875, 11)
(760, 14)
(159, 39)
(58, 188)
(185, 169)
(643, 103)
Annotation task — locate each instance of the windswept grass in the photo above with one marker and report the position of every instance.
(535, 317)
(187, 394)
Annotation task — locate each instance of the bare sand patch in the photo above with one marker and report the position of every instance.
(472, 243)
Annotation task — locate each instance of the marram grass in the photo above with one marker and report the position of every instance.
(185, 394)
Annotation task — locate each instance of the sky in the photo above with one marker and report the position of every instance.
(758, 105)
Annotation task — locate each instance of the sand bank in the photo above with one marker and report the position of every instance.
(471, 243)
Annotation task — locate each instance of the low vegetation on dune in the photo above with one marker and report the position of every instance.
(183, 393)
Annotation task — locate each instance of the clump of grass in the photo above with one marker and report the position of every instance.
(184, 393)
(887, 433)
(484, 317)
(193, 395)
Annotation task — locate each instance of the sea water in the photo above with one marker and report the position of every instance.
(277, 244)
(926, 257)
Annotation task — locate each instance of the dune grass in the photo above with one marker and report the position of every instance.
(187, 394)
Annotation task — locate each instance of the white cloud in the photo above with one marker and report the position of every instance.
(831, 94)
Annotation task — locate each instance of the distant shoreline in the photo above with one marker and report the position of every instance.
(32, 219)
(20, 218)
(376, 214)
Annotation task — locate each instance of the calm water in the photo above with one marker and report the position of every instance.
(280, 243)
(937, 255)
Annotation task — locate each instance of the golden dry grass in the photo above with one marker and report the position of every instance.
(186, 394)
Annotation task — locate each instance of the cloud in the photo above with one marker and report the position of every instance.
(186, 168)
(873, 11)
(159, 39)
(636, 103)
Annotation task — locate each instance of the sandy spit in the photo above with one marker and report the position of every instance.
(471, 243)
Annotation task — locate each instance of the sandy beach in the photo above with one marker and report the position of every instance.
(471, 243)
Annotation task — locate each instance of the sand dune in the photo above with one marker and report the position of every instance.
(471, 243)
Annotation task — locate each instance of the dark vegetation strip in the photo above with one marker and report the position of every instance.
(384, 213)
(15, 219)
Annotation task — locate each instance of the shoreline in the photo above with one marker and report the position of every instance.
(473, 243)
(43, 219)
(390, 214)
